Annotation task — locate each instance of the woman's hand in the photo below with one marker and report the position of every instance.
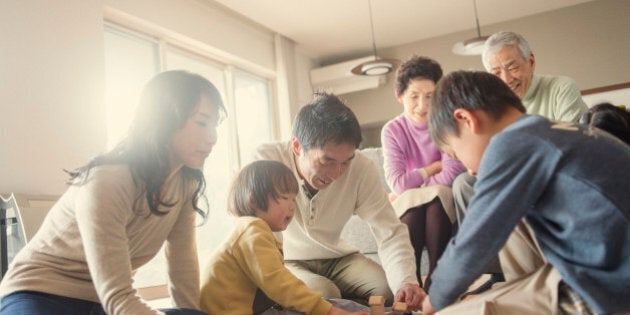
(433, 168)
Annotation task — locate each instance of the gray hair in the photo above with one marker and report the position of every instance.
(497, 41)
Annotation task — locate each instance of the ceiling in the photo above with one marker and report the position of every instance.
(331, 30)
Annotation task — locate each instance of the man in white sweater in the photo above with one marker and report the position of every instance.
(337, 181)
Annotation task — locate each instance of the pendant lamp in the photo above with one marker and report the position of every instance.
(377, 66)
(471, 46)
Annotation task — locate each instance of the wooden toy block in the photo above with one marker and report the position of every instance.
(376, 300)
(377, 305)
(399, 307)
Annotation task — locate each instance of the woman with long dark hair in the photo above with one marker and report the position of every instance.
(121, 207)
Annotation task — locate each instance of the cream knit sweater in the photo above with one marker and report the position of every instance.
(315, 232)
(99, 233)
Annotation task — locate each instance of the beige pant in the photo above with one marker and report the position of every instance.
(354, 277)
(531, 285)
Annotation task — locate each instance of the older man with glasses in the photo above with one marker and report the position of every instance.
(509, 56)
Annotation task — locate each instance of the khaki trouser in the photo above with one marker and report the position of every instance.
(354, 277)
(531, 285)
(462, 193)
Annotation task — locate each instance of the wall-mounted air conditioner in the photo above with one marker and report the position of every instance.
(338, 79)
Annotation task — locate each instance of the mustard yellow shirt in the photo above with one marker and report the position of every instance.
(250, 259)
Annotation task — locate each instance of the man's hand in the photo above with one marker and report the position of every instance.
(427, 308)
(411, 294)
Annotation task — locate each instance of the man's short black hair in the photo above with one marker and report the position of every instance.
(326, 118)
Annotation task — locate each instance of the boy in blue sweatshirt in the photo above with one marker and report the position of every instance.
(551, 198)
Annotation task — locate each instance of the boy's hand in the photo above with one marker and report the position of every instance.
(411, 294)
(427, 308)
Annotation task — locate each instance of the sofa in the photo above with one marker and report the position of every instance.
(358, 233)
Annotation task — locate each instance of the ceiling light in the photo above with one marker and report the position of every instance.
(471, 46)
(377, 66)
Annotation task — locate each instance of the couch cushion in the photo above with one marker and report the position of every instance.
(376, 155)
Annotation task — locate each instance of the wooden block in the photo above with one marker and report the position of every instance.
(399, 307)
(377, 305)
(376, 300)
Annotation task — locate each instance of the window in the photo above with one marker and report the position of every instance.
(131, 59)
(252, 116)
(125, 77)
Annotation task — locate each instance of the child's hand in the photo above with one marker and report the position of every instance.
(338, 311)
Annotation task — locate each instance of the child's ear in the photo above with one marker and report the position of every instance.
(467, 119)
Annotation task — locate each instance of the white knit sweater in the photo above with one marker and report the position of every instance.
(316, 228)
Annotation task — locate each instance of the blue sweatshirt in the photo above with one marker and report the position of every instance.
(571, 185)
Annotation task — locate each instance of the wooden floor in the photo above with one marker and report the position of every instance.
(158, 296)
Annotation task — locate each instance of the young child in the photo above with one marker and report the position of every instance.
(555, 194)
(246, 275)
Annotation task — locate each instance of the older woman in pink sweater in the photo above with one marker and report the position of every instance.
(414, 165)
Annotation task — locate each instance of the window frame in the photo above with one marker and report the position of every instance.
(169, 41)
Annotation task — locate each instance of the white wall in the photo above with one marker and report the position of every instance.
(589, 42)
(52, 75)
(51, 91)
(205, 23)
(51, 69)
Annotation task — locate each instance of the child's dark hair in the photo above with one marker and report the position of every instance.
(255, 183)
(613, 119)
(417, 67)
(470, 90)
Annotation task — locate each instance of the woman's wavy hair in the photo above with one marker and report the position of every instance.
(416, 67)
(166, 103)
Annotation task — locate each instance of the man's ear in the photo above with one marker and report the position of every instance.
(467, 119)
(296, 146)
(532, 62)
